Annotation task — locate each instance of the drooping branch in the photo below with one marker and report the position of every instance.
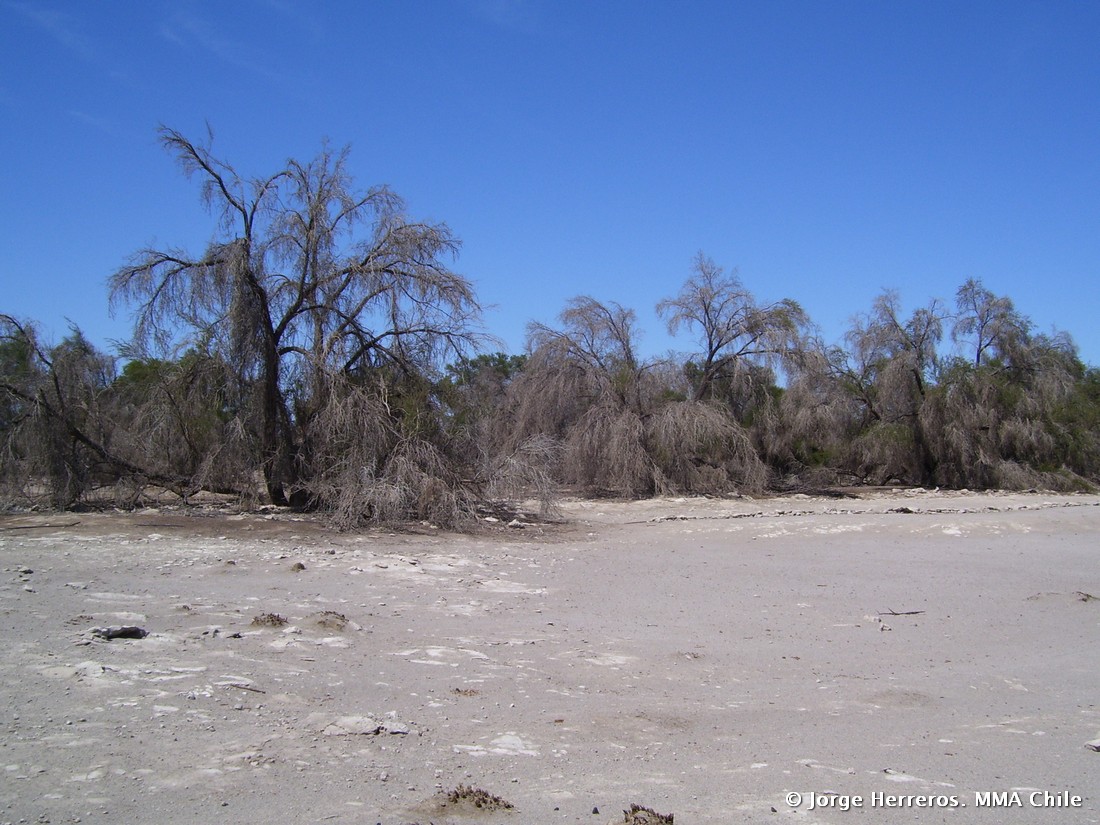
(732, 327)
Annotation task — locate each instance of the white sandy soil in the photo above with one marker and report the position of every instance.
(703, 658)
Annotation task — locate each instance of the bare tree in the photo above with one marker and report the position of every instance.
(184, 418)
(599, 339)
(622, 421)
(990, 324)
(732, 327)
(901, 350)
(697, 447)
(57, 421)
(828, 400)
(1005, 426)
(888, 368)
(288, 294)
(583, 384)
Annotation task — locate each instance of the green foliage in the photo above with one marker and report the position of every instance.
(498, 365)
(471, 387)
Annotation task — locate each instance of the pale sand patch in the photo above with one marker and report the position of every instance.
(696, 656)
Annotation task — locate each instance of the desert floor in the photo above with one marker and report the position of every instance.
(703, 658)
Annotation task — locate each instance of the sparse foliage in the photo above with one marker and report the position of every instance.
(732, 327)
(58, 429)
(320, 296)
(320, 352)
(585, 385)
(988, 324)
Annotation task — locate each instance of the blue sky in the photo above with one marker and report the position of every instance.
(827, 150)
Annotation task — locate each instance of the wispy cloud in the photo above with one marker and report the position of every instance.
(513, 15)
(190, 31)
(102, 124)
(61, 26)
(297, 14)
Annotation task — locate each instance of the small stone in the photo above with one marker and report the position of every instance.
(120, 632)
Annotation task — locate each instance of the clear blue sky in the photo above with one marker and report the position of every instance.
(827, 150)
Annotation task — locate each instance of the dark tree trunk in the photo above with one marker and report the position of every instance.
(273, 442)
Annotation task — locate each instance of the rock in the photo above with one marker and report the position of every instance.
(120, 632)
(331, 620)
(89, 670)
(1094, 745)
(355, 726)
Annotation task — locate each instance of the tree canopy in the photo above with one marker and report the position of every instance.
(321, 352)
(308, 283)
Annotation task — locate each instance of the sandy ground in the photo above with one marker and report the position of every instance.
(702, 658)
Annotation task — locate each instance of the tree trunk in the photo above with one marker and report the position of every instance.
(276, 462)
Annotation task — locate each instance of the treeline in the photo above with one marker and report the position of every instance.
(321, 353)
